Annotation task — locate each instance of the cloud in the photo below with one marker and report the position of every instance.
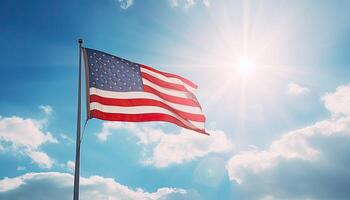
(167, 148)
(308, 163)
(206, 3)
(125, 4)
(107, 128)
(40, 158)
(293, 145)
(34, 186)
(188, 3)
(295, 89)
(25, 136)
(187, 146)
(67, 138)
(70, 165)
(21, 168)
(46, 109)
(339, 101)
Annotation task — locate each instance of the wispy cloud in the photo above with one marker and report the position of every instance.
(21, 168)
(188, 3)
(67, 138)
(58, 186)
(125, 4)
(46, 109)
(70, 165)
(168, 148)
(40, 158)
(206, 3)
(296, 89)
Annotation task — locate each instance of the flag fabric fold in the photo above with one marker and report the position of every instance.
(121, 90)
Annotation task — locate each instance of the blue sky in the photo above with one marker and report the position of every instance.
(273, 81)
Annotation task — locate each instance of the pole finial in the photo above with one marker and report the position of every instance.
(80, 40)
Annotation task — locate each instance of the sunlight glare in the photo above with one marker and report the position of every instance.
(245, 67)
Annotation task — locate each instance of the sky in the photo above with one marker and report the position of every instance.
(273, 82)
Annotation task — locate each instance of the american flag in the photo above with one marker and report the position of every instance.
(121, 90)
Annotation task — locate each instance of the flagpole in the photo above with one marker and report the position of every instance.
(78, 139)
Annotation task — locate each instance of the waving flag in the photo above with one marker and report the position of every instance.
(121, 90)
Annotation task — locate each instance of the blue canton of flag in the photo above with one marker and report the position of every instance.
(112, 73)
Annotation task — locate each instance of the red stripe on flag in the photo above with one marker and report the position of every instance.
(178, 100)
(163, 83)
(141, 118)
(188, 82)
(146, 102)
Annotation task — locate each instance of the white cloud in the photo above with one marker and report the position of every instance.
(188, 3)
(24, 132)
(67, 138)
(167, 148)
(125, 4)
(339, 101)
(25, 136)
(21, 168)
(293, 145)
(174, 3)
(46, 109)
(187, 146)
(288, 168)
(58, 186)
(40, 158)
(70, 165)
(7, 184)
(146, 134)
(107, 127)
(206, 3)
(295, 89)
(296, 143)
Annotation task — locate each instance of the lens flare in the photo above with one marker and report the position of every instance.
(245, 67)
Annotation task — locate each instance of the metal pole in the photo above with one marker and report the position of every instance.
(77, 152)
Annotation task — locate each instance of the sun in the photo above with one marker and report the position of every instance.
(245, 67)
